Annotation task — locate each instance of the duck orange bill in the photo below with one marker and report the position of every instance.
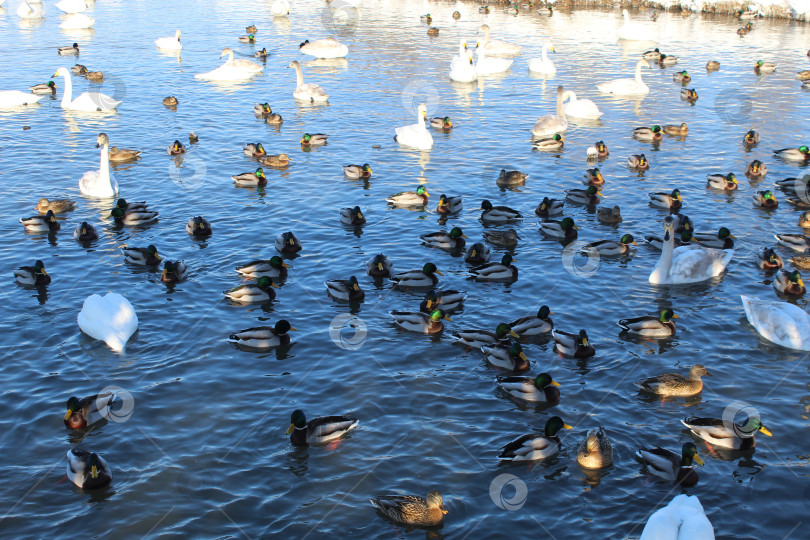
(294, 329)
(69, 413)
(555, 383)
(766, 431)
(523, 356)
(94, 471)
(698, 459)
(676, 316)
(274, 286)
(290, 429)
(514, 334)
(566, 426)
(285, 265)
(443, 509)
(439, 273)
(447, 318)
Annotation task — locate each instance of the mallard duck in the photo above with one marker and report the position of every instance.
(176, 148)
(493, 271)
(456, 15)
(689, 94)
(511, 178)
(32, 275)
(318, 430)
(506, 355)
(684, 238)
(676, 130)
(288, 243)
(174, 271)
(648, 134)
(443, 124)
(446, 300)
(802, 262)
(250, 179)
(248, 38)
(352, 216)
(170, 101)
(723, 239)
(261, 54)
(653, 55)
(276, 120)
(123, 154)
(610, 248)
(263, 337)
(410, 198)
(675, 384)
(593, 177)
(78, 69)
(671, 200)
(506, 238)
(651, 326)
(795, 186)
(671, 466)
(804, 220)
(416, 321)
(498, 214)
(95, 76)
(480, 338)
(251, 29)
(449, 205)
(803, 75)
(540, 389)
(801, 153)
(273, 267)
(426, 18)
(85, 411)
(595, 452)
(314, 139)
(477, 254)
(345, 289)
(379, 266)
(127, 206)
(533, 325)
(563, 230)
(254, 150)
(277, 161)
(262, 109)
(718, 434)
(253, 293)
(85, 232)
(788, 282)
(133, 218)
(426, 277)
(73, 49)
(357, 171)
(667, 60)
(724, 182)
(555, 142)
(576, 345)
(147, 256)
(756, 169)
(549, 208)
(768, 259)
(609, 215)
(532, 447)
(57, 206)
(751, 138)
(43, 88)
(193, 138)
(444, 240)
(638, 162)
(764, 67)
(46, 223)
(485, 10)
(87, 470)
(712, 65)
(765, 199)
(411, 510)
(682, 77)
(601, 149)
(199, 226)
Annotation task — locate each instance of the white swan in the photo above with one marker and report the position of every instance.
(77, 21)
(324, 48)
(580, 108)
(100, 184)
(552, 124)
(110, 318)
(543, 64)
(496, 47)
(231, 70)
(306, 91)
(416, 135)
(87, 101)
(170, 43)
(627, 87)
(634, 31)
(490, 66)
(27, 11)
(779, 322)
(71, 6)
(461, 66)
(682, 519)
(687, 264)
(280, 8)
(15, 98)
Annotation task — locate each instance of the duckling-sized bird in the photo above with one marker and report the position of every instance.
(199, 227)
(352, 216)
(250, 179)
(550, 144)
(46, 223)
(756, 169)
(477, 254)
(73, 49)
(133, 218)
(676, 130)
(254, 150)
(610, 248)
(751, 138)
(564, 229)
(426, 277)
(498, 214)
(174, 272)
(670, 201)
(444, 240)
(85, 232)
(667, 60)
(446, 300)
(638, 162)
(682, 77)
(648, 134)
(416, 321)
(410, 198)
(120, 155)
(675, 384)
(32, 275)
(442, 123)
(85, 411)
(651, 326)
(170, 101)
(788, 282)
(253, 293)
(609, 215)
(595, 452)
(593, 177)
(801, 153)
(313, 139)
(764, 67)
(87, 470)
(411, 510)
(507, 238)
(277, 161)
(540, 389)
(263, 337)
(689, 94)
(274, 267)
(765, 199)
(532, 447)
(511, 178)
(57, 206)
(43, 88)
(768, 259)
(508, 356)
(262, 109)
(449, 205)
(796, 242)
(723, 239)
(318, 430)
(379, 266)
(576, 345)
(712, 65)
(493, 271)
(347, 290)
(533, 325)
(288, 243)
(671, 466)
(716, 432)
(723, 182)
(357, 171)
(549, 208)
(176, 148)
(147, 256)
(480, 338)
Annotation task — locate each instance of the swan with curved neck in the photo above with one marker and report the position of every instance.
(687, 264)
(627, 87)
(461, 66)
(100, 184)
(543, 64)
(416, 135)
(306, 91)
(580, 108)
(87, 101)
(490, 66)
(496, 47)
(553, 123)
(633, 31)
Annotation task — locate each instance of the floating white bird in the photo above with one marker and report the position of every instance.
(170, 43)
(490, 66)
(687, 264)
(110, 318)
(231, 70)
(634, 31)
(682, 519)
(324, 48)
(101, 183)
(77, 21)
(461, 66)
(87, 101)
(496, 47)
(580, 108)
(71, 6)
(552, 123)
(15, 98)
(779, 322)
(416, 135)
(543, 64)
(306, 91)
(280, 8)
(627, 87)
(28, 11)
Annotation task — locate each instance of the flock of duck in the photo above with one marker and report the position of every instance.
(686, 257)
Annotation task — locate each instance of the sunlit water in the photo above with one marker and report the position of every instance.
(204, 452)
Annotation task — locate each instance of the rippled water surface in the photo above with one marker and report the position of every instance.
(204, 453)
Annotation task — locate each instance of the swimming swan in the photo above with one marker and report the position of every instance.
(461, 66)
(100, 184)
(779, 322)
(687, 264)
(553, 123)
(580, 108)
(306, 91)
(634, 31)
(87, 101)
(324, 48)
(170, 43)
(15, 98)
(490, 66)
(231, 70)
(682, 519)
(496, 47)
(543, 64)
(416, 135)
(627, 87)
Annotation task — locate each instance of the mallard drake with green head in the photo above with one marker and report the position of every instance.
(764, 67)
(287, 243)
(379, 266)
(532, 447)
(46, 223)
(423, 323)
(318, 430)
(426, 277)
(449, 205)
(689, 94)
(589, 196)
(751, 138)
(347, 290)
(723, 182)
(610, 248)
(357, 171)
(411, 510)
(788, 282)
(262, 109)
(796, 242)
(670, 201)
(549, 208)
(638, 162)
(768, 259)
(595, 452)
(675, 384)
(648, 134)
(481, 338)
(87, 470)
(410, 198)
(274, 267)
(498, 214)
(533, 325)
(32, 275)
(550, 144)
(593, 177)
(726, 434)
(254, 150)
(496, 271)
(506, 355)
(199, 227)
(72, 49)
(661, 326)
(313, 139)
(445, 240)
(263, 337)
(669, 465)
(43, 88)
(85, 232)
(540, 389)
(147, 256)
(174, 272)
(723, 239)
(756, 169)
(801, 153)
(446, 300)
(442, 123)
(85, 411)
(564, 229)
(176, 148)
(765, 199)
(253, 293)
(576, 345)
(682, 77)
(250, 179)
(684, 238)
(352, 216)
(477, 254)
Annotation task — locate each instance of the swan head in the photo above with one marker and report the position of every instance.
(177, 34)
(226, 51)
(102, 138)
(61, 71)
(422, 111)
(560, 91)
(294, 64)
(484, 28)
